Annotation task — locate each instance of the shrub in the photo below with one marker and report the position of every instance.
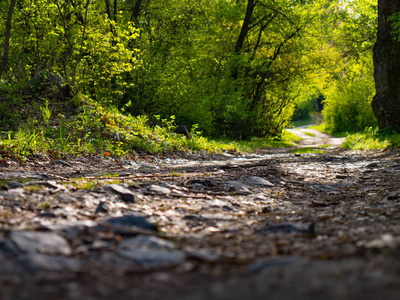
(372, 138)
(348, 101)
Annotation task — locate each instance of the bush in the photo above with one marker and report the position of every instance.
(348, 101)
(305, 110)
(372, 138)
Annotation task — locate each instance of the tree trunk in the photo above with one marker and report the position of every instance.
(136, 10)
(242, 35)
(7, 39)
(386, 103)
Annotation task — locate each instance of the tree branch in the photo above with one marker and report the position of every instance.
(7, 38)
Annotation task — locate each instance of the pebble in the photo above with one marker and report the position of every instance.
(203, 182)
(385, 241)
(41, 262)
(257, 181)
(49, 183)
(372, 165)
(150, 251)
(14, 184)
(153, 258)
(125, 194)
(290, 227)
(63, 163)
(218, 203)
(7, 247)
(272, 263)
(177, 193)
(237, 186)
(146, 241)
(16, 195)
(204, 255)
(40, 242)
(259, 197)
(131, 220)
(158, 190)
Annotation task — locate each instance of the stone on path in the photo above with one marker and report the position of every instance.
(150, 252)
(146, 241)
(273, 263)
(257, 181)
(204, 255)
(52, 184)
(41, 262)
(259, 197)
(237, 186)
(290, 228)
(14, 184)
(130, 220)
(40, 242)
(7, 247)
(158, 190)
(125, 194)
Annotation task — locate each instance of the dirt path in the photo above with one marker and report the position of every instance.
(314, 138)
(255, 226)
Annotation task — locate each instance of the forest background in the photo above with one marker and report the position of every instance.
(108, 76)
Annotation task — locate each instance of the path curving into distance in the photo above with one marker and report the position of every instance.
(314, 138)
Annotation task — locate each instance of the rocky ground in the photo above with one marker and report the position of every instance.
(266, 225)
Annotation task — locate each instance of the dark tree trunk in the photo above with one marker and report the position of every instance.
(136, 10)
(7, 39)
(386, 103)
(243, 33)
(245, 26)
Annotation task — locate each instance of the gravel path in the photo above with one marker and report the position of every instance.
(230, 226)
(314, 138)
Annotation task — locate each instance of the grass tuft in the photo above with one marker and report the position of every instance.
(309, 134)
(372, 139)
(286, 141)
(308, 150)
(95, 129)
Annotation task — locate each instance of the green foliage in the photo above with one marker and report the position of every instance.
(322, 128)
(308, 150)
(303, 110)
(287, 140)
(77, 40)
(46, 112)
(309, 134)
(356, 27)
(181, 59)
(190, 59)
(299, 123)
(348, 100)
(347, 34)
(371, 139)
(102, 131)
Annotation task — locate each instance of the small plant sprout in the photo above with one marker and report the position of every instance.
(46, 112)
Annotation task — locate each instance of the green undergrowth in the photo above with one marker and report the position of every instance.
(372, 139)
(319, 127)
(80, 126)
(322, 128)
(309, 134)
(95, 129)
(299, 123)
(308, 150)
(285, 141)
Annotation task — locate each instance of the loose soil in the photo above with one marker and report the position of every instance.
(265, 225)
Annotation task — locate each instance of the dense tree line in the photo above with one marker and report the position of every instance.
(236, 68)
